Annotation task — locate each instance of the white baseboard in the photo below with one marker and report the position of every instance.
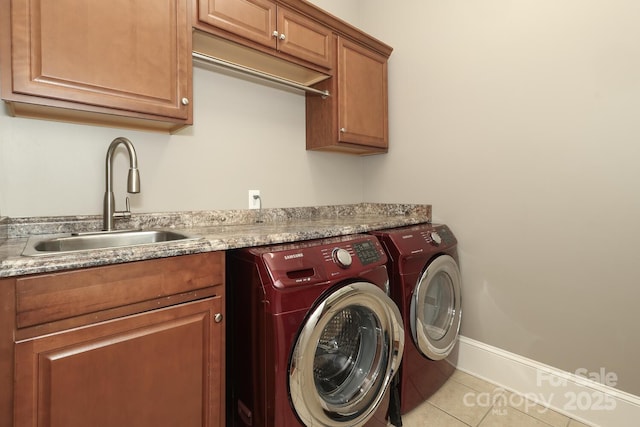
(592, 402)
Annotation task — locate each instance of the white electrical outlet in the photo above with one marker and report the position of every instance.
(254, 199)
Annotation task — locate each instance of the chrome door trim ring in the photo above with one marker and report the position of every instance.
(436, 349)
(307, 402)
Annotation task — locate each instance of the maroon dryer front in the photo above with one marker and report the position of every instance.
(313, 339)
(425, 284)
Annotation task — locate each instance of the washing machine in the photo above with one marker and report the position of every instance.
(425, 284)
(313, 337)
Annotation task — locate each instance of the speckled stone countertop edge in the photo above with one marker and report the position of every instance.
(230, 230)
(28, 226)
(4, 227)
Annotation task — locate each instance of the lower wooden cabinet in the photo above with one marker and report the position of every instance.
(126, 364)
(153, 369)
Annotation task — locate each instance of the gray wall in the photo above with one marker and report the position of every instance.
(519, 122)
(516, 120)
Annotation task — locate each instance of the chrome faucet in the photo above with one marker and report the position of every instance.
(109, 212)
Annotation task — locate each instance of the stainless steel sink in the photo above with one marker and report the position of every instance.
(36, 245)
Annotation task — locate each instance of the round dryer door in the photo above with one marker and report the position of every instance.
(345, 356)
(436, 308)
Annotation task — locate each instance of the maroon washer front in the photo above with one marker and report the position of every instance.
(425, 284)
(310, 327)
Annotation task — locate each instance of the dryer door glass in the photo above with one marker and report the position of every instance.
(436, 308)
(439, 306)
(345, 356)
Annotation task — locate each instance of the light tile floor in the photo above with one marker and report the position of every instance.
(467, 401)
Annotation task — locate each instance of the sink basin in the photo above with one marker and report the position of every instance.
(101, 240)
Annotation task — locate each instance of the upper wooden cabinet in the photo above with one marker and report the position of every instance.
(352, 65)
(129, 63)
(267, 25)
(117, 62)
(355, 118)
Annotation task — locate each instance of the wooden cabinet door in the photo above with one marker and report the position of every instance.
(159, 368)
(252, 19)
(354, 119)
(304, 38)
(121, 54)
(275, 27)
(362, 95)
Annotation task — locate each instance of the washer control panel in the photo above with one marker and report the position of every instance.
(342, 257)
(317, 261)
(366, 252)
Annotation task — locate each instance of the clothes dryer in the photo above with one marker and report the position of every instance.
(313, 339)
(425, 284)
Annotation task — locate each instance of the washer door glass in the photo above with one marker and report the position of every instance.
(345, 356)
(436, 308)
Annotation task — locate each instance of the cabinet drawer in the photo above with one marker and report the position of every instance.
(51, 297)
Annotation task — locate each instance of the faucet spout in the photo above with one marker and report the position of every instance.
(133, 182)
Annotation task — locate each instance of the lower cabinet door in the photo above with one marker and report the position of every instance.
(159, 368)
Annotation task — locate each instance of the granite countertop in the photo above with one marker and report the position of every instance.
(211, 231)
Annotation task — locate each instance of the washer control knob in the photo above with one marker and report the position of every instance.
(435, 238)
(342, 257)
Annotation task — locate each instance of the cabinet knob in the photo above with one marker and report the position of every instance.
(282, 36)
(185, 101)
(275, 33)
(217, 317)
(342, 130)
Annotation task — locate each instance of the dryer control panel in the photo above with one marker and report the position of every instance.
(439, 235)
(423, 239)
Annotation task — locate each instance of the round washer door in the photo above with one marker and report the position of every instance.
(345, 356)
(436, 308)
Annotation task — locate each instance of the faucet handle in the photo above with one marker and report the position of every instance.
(126, 214)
